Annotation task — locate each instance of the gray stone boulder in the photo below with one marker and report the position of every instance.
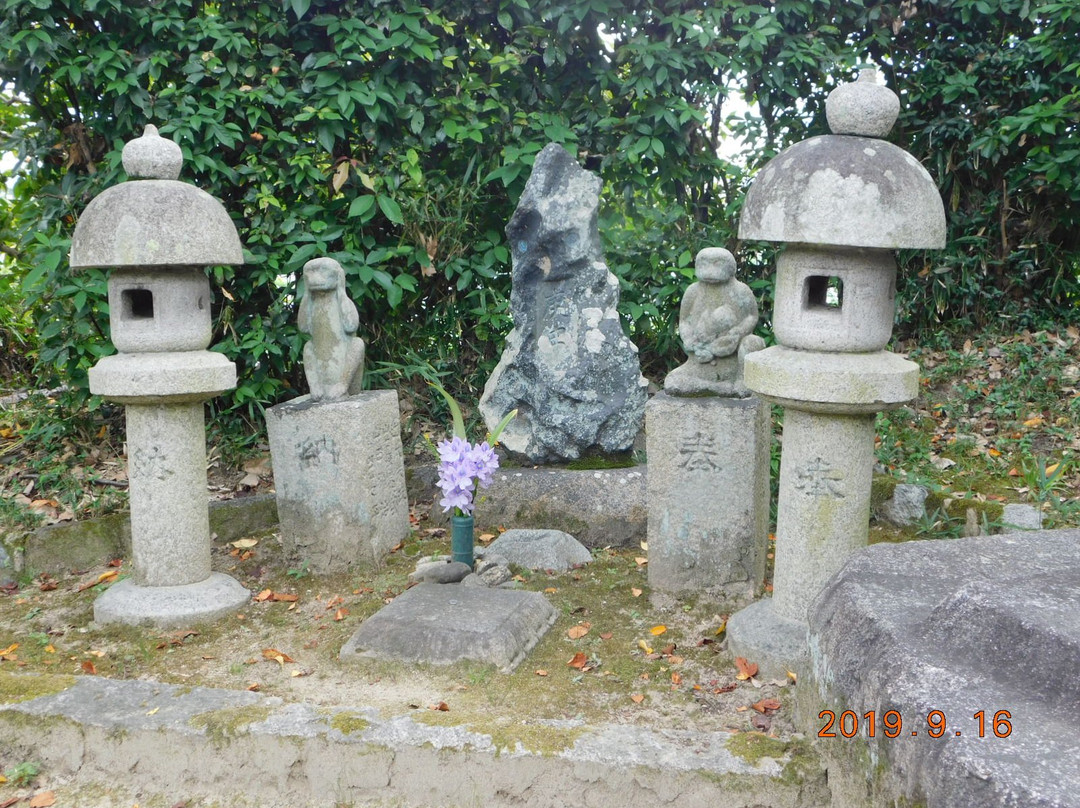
(1022, 517)
(541, 549)
(968, 628)
(567, 367)
(906, 506)
(440, 572)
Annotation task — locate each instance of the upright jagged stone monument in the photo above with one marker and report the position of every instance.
(843, 203)
(339, 471)
(708, 446)
(567, 368)
(157, 234)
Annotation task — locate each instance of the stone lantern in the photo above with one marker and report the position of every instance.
(842, 203)
(157, 234)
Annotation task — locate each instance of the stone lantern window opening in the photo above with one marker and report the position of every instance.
(138, 304)
(824, 292)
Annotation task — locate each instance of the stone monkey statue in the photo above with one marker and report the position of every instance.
(716, 321)
(334, 357)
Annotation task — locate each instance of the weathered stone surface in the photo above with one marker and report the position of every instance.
(440, 572)
(982, 624)
(80, 545)
(906, 506)
(214, 596)
(863, 107)
(1021, 517)
(846, 192)
(541, 549)
(716, 320)
(334, 357)
(340, 479)
(834, 300)
(599, 508)
(7, 567)
(154, 222)
(832, 382)
(152, 378)
(708, 494)
(567, 366)
(292, 755)
(441, 625)
(170, 523)
(151, 310)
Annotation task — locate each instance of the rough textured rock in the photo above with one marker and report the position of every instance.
(1024, 517)
(906, 506)
(440, 572)
(7, 570)
(567, 367)
(541, 549)
(983, 624)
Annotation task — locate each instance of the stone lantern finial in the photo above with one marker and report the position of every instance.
(863, 107)
(152, 157)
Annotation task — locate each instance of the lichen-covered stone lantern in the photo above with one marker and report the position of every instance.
(157, 234)
(843, 203)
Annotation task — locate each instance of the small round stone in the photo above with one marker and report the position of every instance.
(152, 157)
(715, 265)
(864, 107)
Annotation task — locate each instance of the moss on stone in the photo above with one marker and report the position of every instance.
(349, 723)
(15, 688)
(532, 515)
(753, 746)
(221, 726)
(592, 462)
(881, 490)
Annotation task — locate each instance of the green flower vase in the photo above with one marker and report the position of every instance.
(461, 539)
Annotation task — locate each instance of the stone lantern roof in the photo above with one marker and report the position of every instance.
(153, 220)
(850, 188)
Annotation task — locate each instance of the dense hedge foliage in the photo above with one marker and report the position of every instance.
(396, 138)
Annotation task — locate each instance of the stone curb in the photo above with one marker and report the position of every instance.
(248, 749)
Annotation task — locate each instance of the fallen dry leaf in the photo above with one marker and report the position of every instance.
(541, 672)
(747, 670)
(551, 590)
(644, 646)
(635, 592)
(9, 650)
(766, 705)
(641, 561)
(442, 707)
(578, 631)
(88, 667)
(607, 635)
(244, 544)
(578, 660)
(254, 687)
(341, 614)
(656, 631)
(43, 799)
(12, 801)
(275, 655)
(794, 677)
(637, 698)
(676, 679)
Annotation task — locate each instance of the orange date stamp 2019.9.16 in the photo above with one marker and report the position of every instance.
(890, 724)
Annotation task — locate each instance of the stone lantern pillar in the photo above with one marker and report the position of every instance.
(157, 234)
(842, 203)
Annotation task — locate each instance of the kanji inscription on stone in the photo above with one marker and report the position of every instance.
(819, 479)
(150, 462)
(314, 453)
(698, 453)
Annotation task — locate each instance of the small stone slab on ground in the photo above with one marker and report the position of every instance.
(540, 549)
(441, 625)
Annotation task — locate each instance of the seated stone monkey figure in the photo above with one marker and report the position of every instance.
(716, 321)
(334, 357)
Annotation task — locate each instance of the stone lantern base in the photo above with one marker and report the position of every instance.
(171, 606)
